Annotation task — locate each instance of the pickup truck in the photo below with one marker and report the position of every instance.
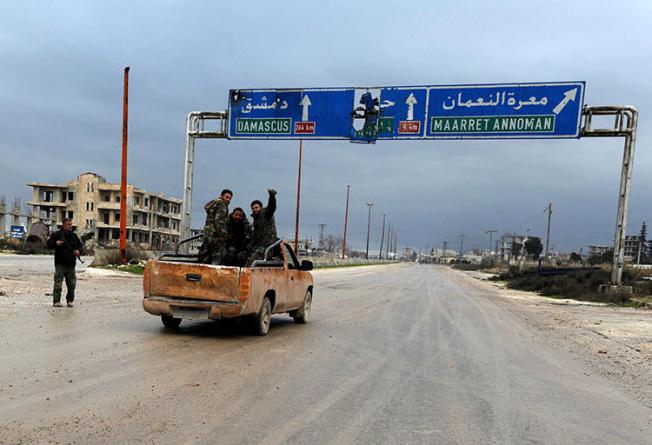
(177, 287)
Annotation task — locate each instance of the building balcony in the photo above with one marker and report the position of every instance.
(108, 205)
(48, 204)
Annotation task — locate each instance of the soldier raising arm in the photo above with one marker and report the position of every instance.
(264, 227)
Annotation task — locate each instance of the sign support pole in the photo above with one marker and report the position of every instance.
(195, 129)
(625, 124)
(296, 228)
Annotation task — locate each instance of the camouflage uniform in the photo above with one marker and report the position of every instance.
(237, 242)
(264, 230)
(213, 249)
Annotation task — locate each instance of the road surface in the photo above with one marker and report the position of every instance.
(401, 354)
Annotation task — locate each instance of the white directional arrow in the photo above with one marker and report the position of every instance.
(568, 96)
(305, 103)
(410, 101)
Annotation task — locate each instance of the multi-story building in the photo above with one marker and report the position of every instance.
(596, 250)
(94, 205)
(633, 247)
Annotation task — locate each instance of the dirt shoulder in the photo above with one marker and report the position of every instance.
(612, 341)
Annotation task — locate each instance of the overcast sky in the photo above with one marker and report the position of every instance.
(61, 108)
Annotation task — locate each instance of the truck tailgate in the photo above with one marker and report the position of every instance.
(193, 281)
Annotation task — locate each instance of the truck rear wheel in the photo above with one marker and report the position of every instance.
(263, 319)
(170, 322)
(302, 315)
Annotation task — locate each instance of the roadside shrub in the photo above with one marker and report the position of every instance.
(135, 255)
(581, 284)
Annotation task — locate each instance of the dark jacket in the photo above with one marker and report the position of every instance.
(238, 235)
(264, 225)
(63, 254)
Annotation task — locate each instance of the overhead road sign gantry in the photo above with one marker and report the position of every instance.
(497, 111)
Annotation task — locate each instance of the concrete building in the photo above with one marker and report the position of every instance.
(94, 206)
(507, 243)
(595, 250)
(632, 248)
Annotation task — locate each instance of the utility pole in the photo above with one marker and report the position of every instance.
(445, 247)
(370, 205)
(346, 221)
(549, 210)
(382, 238)
(123, 182)
(389, 237)
(296, 227)
(395, 241)
(322, 231)
(490, 232)
(461, 244)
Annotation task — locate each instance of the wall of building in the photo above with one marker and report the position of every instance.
(152, 219)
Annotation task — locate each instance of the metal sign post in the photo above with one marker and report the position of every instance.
(625, 123)
(195, 128)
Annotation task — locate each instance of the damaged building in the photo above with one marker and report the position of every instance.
(93, 204)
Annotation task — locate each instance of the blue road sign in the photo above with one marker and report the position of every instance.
(523, 111)
(499, 111)
(17, 232)
(290, 114)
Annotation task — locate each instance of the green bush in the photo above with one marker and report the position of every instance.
(581, 284)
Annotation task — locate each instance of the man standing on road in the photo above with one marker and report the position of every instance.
(213, 249)
(67, 248)
(264, 227)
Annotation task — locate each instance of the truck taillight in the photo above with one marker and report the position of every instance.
(146, 279)
(244, 284)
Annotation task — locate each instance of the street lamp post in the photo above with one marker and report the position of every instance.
(369, 205)
(346, 221)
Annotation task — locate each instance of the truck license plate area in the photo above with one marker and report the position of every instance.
(190, 314)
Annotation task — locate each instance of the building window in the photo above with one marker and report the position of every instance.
(71, 196)
(146, 202)
(117, 198)
(137, 200)
(88, 206)
(70, 214)
(135, 220)
(116, 218)
(106, 197)
(106, 217)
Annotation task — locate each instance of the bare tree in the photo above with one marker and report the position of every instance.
(332, 242)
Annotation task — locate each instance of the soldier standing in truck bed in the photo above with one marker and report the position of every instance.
(213, 248)
(264, 227)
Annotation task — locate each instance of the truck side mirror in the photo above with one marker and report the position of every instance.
(306, 265)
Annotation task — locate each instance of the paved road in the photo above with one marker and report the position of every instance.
(397, 355)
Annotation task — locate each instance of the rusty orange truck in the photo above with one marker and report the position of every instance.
(176, 286)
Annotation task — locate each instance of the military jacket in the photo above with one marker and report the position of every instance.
(217, 214)
(264, 225)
